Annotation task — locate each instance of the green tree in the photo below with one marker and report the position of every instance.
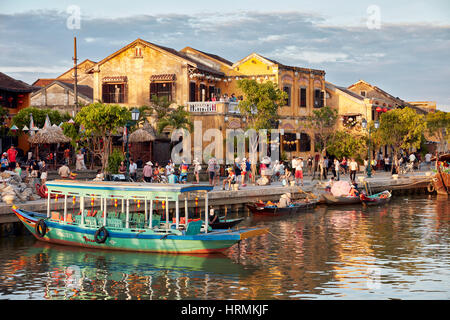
(260, 108)
(323, 121)
(400, 128)
(345, 143)
(438, 125)
(177, 118)
(22, 118)
(97, 124)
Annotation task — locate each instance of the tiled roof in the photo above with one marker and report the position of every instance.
(46, 82)
(10, 84)
(163, 77)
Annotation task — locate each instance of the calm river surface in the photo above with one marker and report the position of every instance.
(398, 251)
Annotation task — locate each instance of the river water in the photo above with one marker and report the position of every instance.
(396, 251)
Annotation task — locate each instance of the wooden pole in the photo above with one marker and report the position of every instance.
(75, 89)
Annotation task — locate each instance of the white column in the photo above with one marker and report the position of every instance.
(65, 207)
(185, 211)
(105, 211)
(150, 222)
(127, 223)
(82, 210)
(48, 205)
(206, 212)
(167, 212)
(177, 214)
(145, 210)
(123, 206)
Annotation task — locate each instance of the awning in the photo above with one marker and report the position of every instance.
(163, 77)
(115, 79)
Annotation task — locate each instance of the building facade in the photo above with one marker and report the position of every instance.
(200, 81)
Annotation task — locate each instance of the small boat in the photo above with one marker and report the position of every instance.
(335, 200)
(224, 223)
(119, 225)
(273, 210)
(376, 199)
(441, 180)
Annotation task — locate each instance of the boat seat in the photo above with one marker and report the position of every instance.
(156, 220)
(194, 227)
(90, 221)
(114, 222)
(55, 215)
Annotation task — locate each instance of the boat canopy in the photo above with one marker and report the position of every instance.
(123, 190)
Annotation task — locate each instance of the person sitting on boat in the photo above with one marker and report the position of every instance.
(213, 216)
(285, 200)
(329, 184)
(353, 191)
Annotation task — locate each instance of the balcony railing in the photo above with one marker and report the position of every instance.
(213, 107)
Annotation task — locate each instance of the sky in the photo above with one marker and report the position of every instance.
(403, 47)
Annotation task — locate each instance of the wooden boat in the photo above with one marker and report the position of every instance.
(224, 223)
(334, 200)
(376, 199)
(260, 209)
(123, 229)
(441, 180)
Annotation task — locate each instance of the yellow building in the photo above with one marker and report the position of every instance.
(200, 81)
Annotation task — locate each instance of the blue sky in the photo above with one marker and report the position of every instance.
(406, 55)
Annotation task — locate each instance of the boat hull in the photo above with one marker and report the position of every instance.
(136, 240)
(257, 209)
(441, 183)
(226, 224)
(332, 200)
(376, 199)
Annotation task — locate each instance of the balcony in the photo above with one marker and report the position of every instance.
(213, 107)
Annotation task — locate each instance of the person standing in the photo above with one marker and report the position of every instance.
(79, 164)
(67, 156)
(133, 170)
(4, 161)
(353, 169)
(212, 170)
(197, 169)
(428, 160)
(18, 169)
(147, 172)
(44, 172)
(336, 167)
(387, 163)
(243, 165)
(299, 171)
(12, 154)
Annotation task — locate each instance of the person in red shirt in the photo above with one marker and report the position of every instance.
(12, 154)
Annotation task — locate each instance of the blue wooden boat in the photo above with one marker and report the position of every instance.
(120, 227)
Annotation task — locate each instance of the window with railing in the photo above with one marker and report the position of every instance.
(114, 92)
(302, 96)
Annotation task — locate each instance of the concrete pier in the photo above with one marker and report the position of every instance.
(230, 202)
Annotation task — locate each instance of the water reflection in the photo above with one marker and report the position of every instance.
(395, 251)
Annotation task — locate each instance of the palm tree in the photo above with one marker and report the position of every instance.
(177, 118)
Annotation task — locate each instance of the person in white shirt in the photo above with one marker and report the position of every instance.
(353, 169)
(428, 159)
(299, 171)
(133, 170)
(336, 166)
(412, 157)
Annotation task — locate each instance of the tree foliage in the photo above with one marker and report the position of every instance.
(94, 127)
(261, 103)
(401, 128)
(177, 118)
(323, 121)
(348, 144)
(438, 125)
(22, 118)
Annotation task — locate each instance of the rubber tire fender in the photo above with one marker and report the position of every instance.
(41, 228)
(102, 239)
(431, 187)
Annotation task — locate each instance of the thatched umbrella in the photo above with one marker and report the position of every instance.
(141, 135)
(48, 135)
